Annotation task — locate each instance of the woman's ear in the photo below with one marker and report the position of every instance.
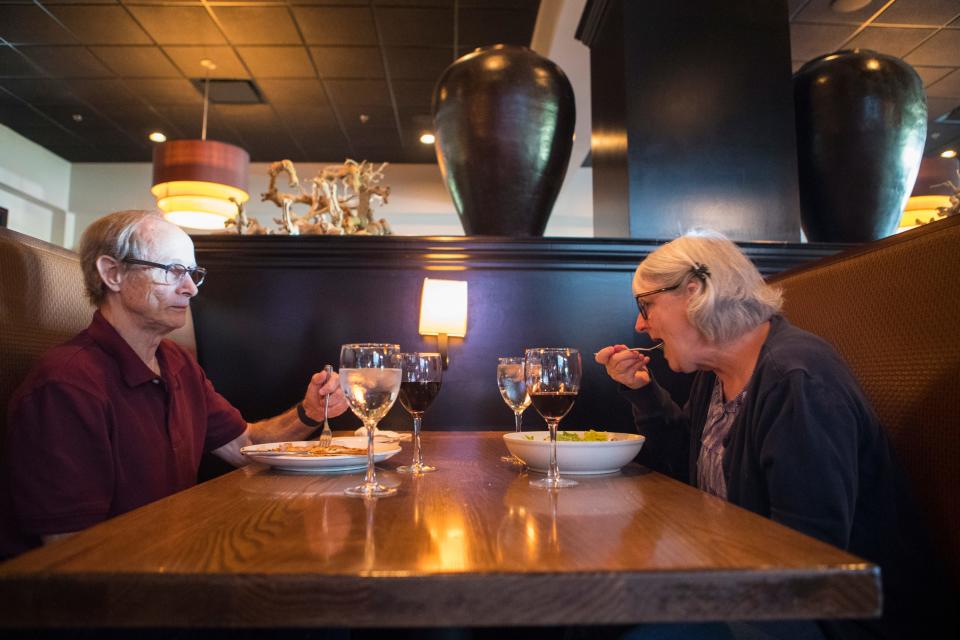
(110, 272)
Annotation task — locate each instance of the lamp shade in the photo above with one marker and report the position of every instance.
(199, 183)
(443, 308)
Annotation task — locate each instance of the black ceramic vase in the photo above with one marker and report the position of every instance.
(861, 126)
(504, 118)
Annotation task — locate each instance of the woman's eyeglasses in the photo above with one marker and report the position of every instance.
(641, 305)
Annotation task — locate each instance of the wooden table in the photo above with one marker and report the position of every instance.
(472, 544)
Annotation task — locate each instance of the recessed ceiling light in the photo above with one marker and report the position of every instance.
(157, 136)
(364, 118)
(77, 117)
(949, 153)
(427, 138)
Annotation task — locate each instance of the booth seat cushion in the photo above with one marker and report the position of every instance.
(892, 309)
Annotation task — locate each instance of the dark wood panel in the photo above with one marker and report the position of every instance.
(692, 106)
(472, 544)
(275, 309)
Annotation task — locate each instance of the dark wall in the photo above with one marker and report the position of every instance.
(275, 309)
(692, 108)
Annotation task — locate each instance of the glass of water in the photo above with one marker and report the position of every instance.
(513, 390)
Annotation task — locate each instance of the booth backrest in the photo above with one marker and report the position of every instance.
(892, 309)
(42, 304)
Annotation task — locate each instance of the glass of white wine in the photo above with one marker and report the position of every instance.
(513, 389)
(370, 376)
(553, 381)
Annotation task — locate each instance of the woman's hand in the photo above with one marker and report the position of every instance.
(629, 368)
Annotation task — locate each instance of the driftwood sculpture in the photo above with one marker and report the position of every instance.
(341, 199)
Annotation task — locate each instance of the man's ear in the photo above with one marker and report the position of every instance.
(110, 272)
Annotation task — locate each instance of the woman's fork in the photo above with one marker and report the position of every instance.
(659, 345)
(326, 437)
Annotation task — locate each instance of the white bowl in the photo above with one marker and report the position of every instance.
(575, 458)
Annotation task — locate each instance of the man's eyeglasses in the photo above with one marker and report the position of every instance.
(642, 307)
(173, 273)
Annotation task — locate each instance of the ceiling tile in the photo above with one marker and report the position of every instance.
(937, 107)
(28, 24)
(14, 65)
(374, 136)
(188, 60)
(809, 41)
(921, 12)
(258, 25)
(943, 46)
(358, 92)
(103, 91)
(90, 120)
(379, 116)
(418, 63)
(189, 120)
(480, 27)
(414, 93)
(948, 87)
(178, 25)
(101, 25)
(929, 75)
(336, 25)
(819, 11)
(50, 135)
(166, 91)
(21, 115)
(348, 62)
(38, 91)
(137, 62)
(299, 91)
(794, 6)
(66, 62)
(890, 40)
(412, 27)
(278, 62)
(307, 117)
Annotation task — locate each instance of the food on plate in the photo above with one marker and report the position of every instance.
(316, 450)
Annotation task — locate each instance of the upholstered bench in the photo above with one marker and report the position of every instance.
(892, 309)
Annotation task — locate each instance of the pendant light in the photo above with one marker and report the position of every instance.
(200, 184)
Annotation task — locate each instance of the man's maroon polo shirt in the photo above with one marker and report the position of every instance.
(93, 433)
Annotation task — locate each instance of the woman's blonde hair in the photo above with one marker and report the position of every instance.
(115, 235)
(732, 297)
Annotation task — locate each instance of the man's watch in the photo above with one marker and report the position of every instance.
(304, 418)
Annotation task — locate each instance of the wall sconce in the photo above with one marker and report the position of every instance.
(443, 311)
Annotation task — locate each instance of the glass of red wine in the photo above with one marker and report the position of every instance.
(419, 385)
(553, 381)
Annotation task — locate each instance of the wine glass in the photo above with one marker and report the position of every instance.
(553, 381)
(419, 385)
(513, 388)
(370, 377)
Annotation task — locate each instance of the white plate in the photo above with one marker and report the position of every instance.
(575, 458)
(318, 464)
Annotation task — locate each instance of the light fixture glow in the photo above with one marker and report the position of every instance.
(949, 153)
(427, 138)
(157, 136)
(443, 311)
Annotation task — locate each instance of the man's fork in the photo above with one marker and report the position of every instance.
(326, 437)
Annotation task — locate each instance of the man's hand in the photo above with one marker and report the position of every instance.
(320, 386)
(629, 368)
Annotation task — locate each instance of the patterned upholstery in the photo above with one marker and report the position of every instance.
(41, 305)
(892, 308)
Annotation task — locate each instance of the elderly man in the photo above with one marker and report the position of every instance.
(119, 417)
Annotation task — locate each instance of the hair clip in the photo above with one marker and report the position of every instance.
(700, 271)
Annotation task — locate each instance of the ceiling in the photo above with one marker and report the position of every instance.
(89, 79)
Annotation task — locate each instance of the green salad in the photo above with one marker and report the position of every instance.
(588, 436)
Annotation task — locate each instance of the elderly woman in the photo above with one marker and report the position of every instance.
(775, 421)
